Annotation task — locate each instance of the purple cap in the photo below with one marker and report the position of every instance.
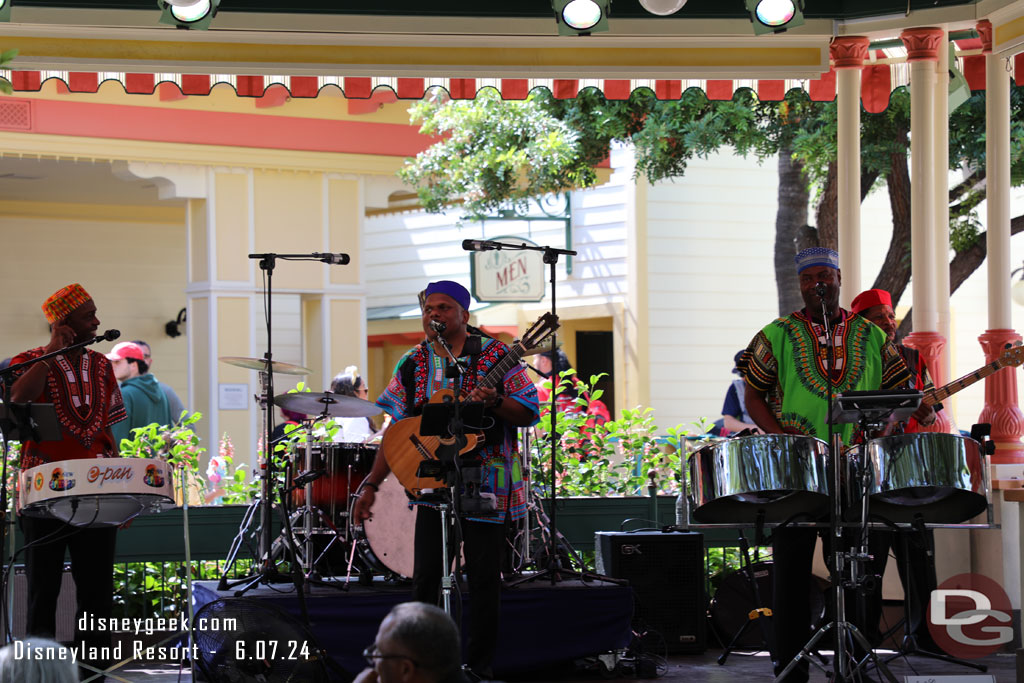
(449, 288)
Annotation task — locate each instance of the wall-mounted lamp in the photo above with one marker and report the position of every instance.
(662, 8)
(197, 14)
(581, 17)
(775, 16)
(173, 327)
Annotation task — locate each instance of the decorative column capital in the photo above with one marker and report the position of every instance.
(849, 52)
(922, 44)
(984, 29)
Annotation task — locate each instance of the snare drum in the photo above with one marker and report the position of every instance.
(345, 466)
(781, 475)
(96, 492)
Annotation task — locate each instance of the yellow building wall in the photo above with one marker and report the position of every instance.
(130, 259)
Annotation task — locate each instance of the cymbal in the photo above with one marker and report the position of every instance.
(336, 405)
(261, 364)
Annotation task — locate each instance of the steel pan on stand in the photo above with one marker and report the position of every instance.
(941, 478)
(779, 475)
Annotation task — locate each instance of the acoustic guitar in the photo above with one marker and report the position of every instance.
(405, 448)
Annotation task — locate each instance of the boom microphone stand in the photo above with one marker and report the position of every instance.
(267, 570)
(553, 571)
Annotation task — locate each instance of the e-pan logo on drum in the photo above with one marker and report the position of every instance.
(39, 481)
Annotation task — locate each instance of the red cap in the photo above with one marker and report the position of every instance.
(126, 350)
(869, 298)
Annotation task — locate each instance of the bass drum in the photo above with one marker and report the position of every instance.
(734, 600)
(385, 541)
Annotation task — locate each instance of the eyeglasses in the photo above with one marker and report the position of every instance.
(371, 653)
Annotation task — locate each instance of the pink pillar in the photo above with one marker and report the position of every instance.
(1001, 409)
(930, 346)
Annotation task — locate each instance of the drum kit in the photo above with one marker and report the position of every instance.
(908, 481)
(321, 478)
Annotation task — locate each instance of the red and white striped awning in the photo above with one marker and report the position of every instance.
(879, 79)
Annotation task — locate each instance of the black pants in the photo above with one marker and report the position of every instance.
(92, 567)
(915, 558)
(482, 545)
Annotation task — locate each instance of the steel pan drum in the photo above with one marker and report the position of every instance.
(780, 474)
(96, 491)
(941, 477)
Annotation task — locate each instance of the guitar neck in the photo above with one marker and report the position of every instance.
(497, 373)
(937, 395)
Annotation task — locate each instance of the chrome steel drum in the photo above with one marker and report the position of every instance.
(781, 474)
(941, 477)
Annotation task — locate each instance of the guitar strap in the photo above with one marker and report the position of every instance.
(473, 346)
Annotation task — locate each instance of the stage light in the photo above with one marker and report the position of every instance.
(662, 8)
(775, 16)
(581, 17)
(5, 10)
(197, 14)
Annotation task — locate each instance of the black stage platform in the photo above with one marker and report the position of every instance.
(542, 625)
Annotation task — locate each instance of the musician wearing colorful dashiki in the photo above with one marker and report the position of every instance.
(788, 360)
(421, 373)
(82, 387)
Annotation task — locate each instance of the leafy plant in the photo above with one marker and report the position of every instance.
(6, 57)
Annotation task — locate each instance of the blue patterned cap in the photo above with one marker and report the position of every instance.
(816, 256)
(449, 288)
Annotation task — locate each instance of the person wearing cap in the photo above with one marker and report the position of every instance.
(914, 548)
(789, 359)
(174, 402)
(735, 417)
(144, 401)
(82, 387)
(420, 373)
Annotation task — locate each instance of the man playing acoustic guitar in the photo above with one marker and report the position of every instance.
(510, 401)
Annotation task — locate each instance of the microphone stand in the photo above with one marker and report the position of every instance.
(553, 571)
(267, 571)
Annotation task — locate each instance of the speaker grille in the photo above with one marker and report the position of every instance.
(666, 572)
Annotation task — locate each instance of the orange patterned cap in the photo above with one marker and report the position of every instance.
(63, 301)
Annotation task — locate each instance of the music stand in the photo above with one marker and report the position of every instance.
(29, 422)
(875, 407)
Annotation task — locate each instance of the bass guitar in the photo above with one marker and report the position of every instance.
(405, 448)
(1011, 358)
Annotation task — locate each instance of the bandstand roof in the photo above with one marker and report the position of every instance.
(274, 50)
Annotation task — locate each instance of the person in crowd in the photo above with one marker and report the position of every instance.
(144, 402)
(416, 643)
(801, 360)
(37, 660)
(349, 382)
(735, 417)
(174, 403)
(82, 387)
(511, 401)
(914, 548)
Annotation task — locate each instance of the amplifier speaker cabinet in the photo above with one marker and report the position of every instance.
(666, 572)
(66, 606)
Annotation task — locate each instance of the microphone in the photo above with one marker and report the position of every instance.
(109, 335)
(332, 259)
(480, 245)
(820, 289)
(438, 326)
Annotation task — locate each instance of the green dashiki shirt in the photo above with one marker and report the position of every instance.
(790, 355)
